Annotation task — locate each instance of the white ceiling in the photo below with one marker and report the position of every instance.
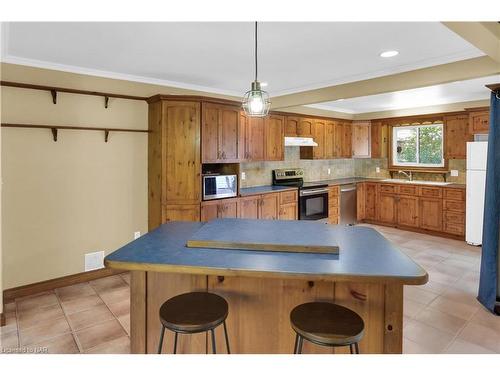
(218, 56)
(454, 92)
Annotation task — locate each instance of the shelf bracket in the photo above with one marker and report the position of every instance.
(54, 134)
(106, 100)
(54, 96)
(106, 135)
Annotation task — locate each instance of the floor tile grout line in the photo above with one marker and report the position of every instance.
(75, 338)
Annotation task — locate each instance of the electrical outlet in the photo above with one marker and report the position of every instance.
(94, 261)
(329, 171)
(137, 235)
(454, 173)
(243, 175)
(377, 169)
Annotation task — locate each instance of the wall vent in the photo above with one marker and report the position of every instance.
(94, 261)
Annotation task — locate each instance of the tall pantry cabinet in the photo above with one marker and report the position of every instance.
(174, 166)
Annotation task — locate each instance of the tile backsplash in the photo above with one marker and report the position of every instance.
(260, 173)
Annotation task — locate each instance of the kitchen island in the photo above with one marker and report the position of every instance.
(262, 287)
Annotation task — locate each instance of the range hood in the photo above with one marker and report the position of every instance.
(299, 141)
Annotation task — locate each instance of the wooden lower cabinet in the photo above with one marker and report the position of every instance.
(431, 214)
(333, 205)
(269, 207)
(181, 212)
(387, 208)
(248, 207)
(262, 206)
(288, 211)
(220, 208)
(407, 211)
(371, 201)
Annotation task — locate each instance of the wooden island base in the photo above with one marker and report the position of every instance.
(259, 311)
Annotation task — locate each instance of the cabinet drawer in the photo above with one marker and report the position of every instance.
(453, 228)
(387, 188)
(333, 211)
(454, 194)
(454, 217)
(288, 197)
(408, 190)
(432, 192)
(453, 206)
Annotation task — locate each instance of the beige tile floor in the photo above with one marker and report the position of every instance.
(442, 316)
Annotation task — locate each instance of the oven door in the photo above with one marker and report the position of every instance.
(313, 204)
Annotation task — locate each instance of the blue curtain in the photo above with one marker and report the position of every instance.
(488, 282)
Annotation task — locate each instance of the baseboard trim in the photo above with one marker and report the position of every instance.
(416, 230)
(25, 290)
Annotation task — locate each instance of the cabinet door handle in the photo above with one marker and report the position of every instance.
(358, 296)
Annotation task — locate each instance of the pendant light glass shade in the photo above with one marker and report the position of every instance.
(256, 101)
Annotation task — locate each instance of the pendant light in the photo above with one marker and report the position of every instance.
(256, 101)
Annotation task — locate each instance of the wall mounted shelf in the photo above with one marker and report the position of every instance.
(54, 129)
(54, 90)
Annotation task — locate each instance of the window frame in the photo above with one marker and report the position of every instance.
(415, 166)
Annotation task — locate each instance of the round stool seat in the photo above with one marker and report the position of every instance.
(326, 323)
(193, 312)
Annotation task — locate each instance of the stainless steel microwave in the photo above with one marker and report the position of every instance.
(220, 186)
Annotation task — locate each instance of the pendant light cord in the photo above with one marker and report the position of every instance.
(256, 51)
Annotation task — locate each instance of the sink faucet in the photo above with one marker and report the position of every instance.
(409, 175)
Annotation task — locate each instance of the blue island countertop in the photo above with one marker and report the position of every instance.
(365, 255)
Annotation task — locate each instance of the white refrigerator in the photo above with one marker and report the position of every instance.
(476, 181)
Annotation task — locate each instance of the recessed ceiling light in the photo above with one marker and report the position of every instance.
(389, 54)
(339, 100)
(263, 84)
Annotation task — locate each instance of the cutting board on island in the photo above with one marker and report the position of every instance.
(266, 235)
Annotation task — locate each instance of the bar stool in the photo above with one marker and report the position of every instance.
(326, 324)
(193, 312)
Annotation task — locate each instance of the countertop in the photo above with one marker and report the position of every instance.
(334, 182)
(365, 255)
(264, 189)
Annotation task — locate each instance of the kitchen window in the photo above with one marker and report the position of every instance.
(418, 146)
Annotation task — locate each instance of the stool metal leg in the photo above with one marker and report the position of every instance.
(227, 339)
(214, 350)
(301, 340)
(296, 343)
(357, 347)
(175, 343)
(162, 333)
(351, 348)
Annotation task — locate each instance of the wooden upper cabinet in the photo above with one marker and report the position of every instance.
(220, 133)
(338, 139)
(304, 127)
(479, 122)
(361, 133)
(379, 139)
(346, 140)
(329, 148)
(456, 136)
(318, 134)
(274, 127)
(254, 139)
(291, 126)
(181, 122)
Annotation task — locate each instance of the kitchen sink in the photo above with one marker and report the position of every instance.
(419, 182)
